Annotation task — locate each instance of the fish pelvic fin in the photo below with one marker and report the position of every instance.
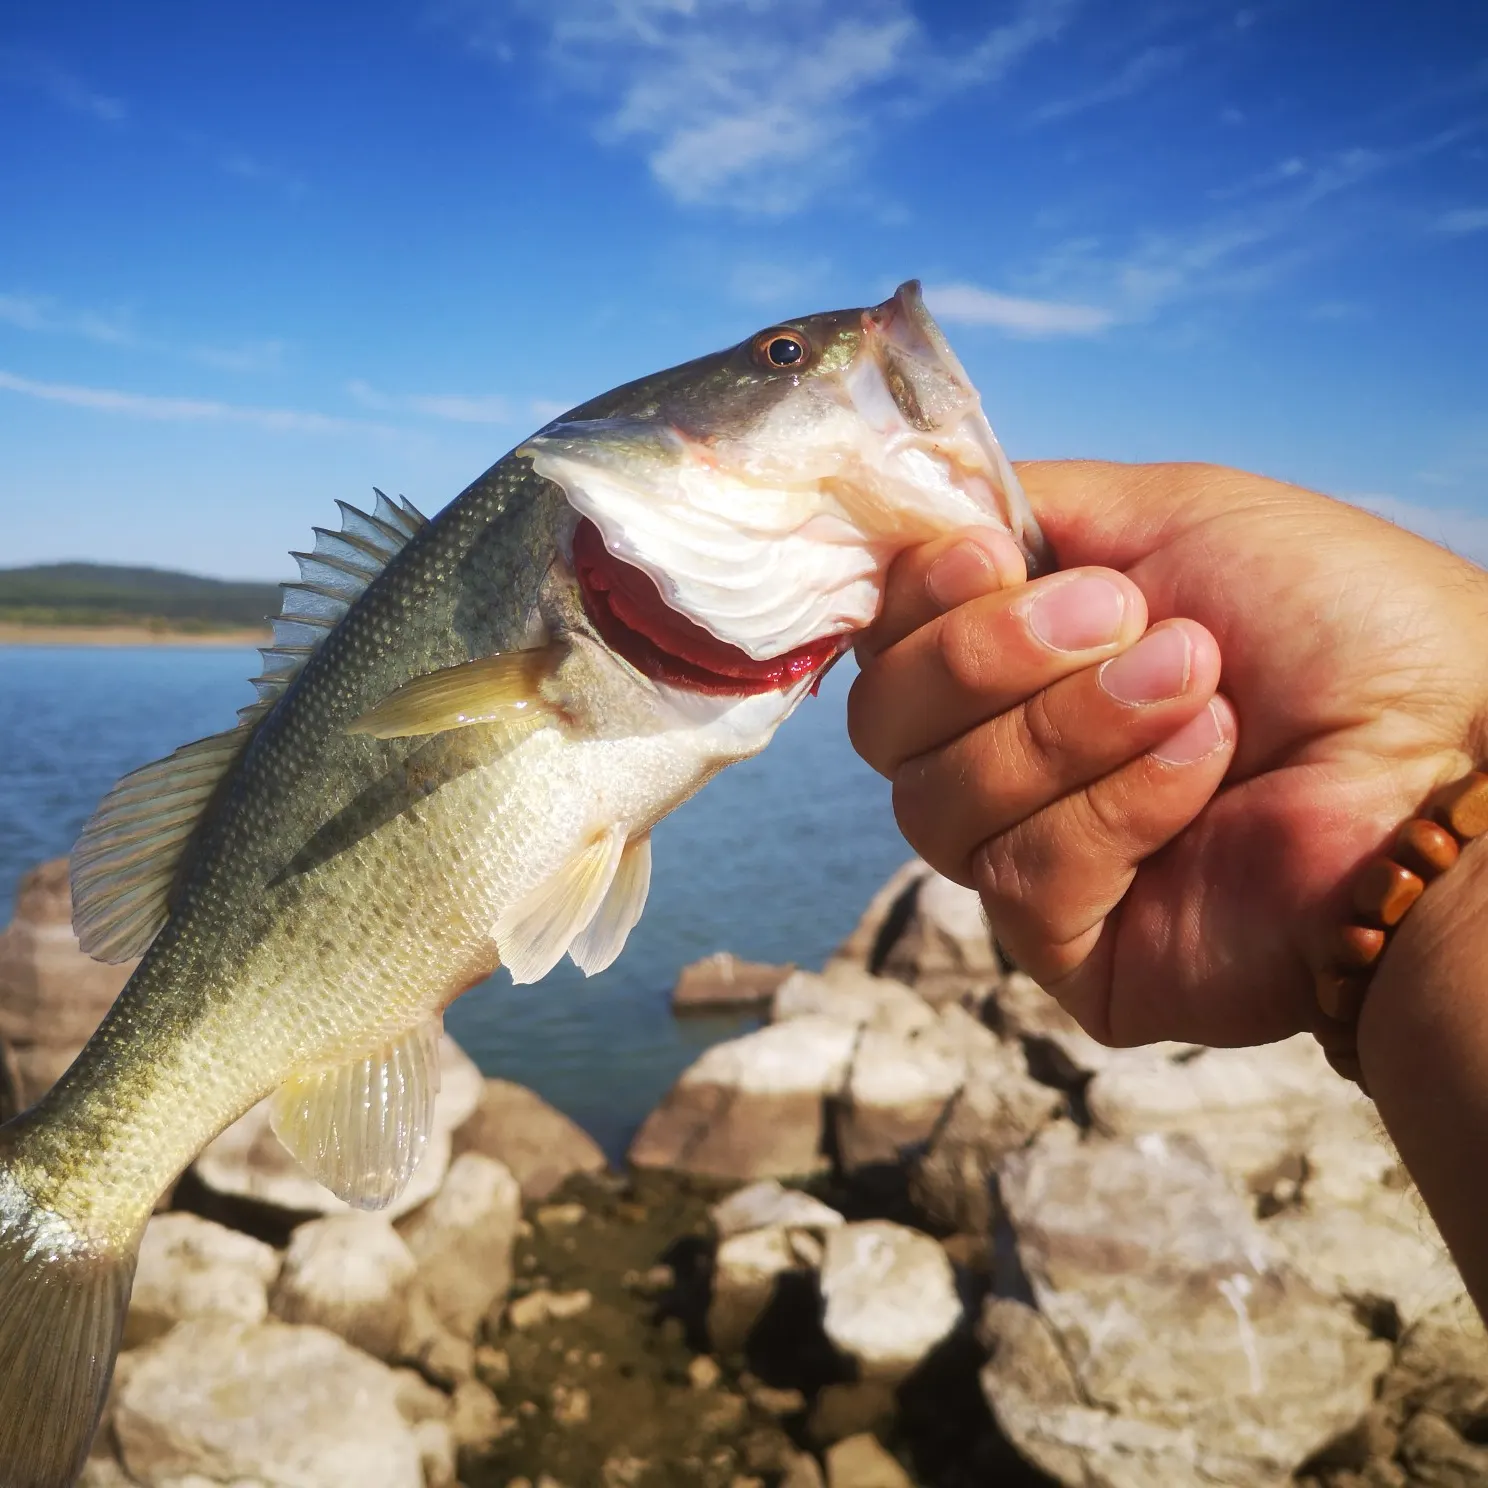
(604, 937)
(533, 934)
(361, 1128)
(63, 1298)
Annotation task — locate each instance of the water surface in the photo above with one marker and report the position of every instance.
(773, 860)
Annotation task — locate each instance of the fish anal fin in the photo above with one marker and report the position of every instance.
(505, 688)
(361, 1128)
(533, 934)
(604, 937)
(125, 860)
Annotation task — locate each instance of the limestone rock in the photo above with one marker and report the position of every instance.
(997, 1110)
(722, 980)
(890, 1296)
(220, 1402)
(544, 1306)
(248, 1162)
(1020, 1009)
(849, 994)
(882, 921)
(540, 1145)
(802, 1471)
(897, 1090)
(1248, 1108)
(861, 1462)
(350, 1273)
(849, 1408)
(1196, 1355)
(52, 996)
(192, 1268)
(463, 1240)
(766, 1203)
(746, 1272)
(751, 1108)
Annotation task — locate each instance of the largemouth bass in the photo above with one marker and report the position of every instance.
(466, 730)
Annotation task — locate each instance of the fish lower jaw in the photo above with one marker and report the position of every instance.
(626, 608)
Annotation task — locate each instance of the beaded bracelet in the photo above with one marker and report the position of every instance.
(1386, 888)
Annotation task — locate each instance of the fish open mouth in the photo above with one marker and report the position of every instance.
(626, 608)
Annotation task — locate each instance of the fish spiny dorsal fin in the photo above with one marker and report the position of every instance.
(126, 859)
(360, 1128)
(332, 579)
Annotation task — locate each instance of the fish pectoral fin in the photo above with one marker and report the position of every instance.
(361, 1128)
(604, 937)
(533, 934)
(125, 861)
(505, 688)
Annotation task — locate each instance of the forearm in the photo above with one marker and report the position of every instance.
(1423, 1044)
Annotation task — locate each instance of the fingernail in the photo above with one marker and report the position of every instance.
(964, 573)
(1197, 738)
(1154, 669)
(1078, 614)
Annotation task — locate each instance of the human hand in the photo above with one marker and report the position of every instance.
(1352, 657)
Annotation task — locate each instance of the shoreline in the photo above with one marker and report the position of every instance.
(12, 634)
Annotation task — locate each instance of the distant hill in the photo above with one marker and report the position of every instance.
(104, 594)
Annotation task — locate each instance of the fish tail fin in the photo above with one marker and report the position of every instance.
(63, 1297)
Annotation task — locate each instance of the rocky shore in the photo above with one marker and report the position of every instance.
(916, 1229)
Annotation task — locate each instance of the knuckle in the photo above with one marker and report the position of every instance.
(1045, 738)
(962, 644)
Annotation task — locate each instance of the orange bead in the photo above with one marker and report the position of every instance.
(1425, 848)
(1339, 995)
(1359, 946)
(1384, 891)
(1463, 806)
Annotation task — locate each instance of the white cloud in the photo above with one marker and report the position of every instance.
(1463, 221)
(62, 87)
(159, 409)
(754, 104)
(967, 304)
(1145, 68)
(43, 314)
(249, 168)
(460, 408)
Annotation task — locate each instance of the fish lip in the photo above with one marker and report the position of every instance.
(903, 327)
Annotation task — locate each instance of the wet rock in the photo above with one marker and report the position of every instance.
(722, 980)
(52, 996)
(897, 1090)
(463, 1241)
(746, 1272)
(848, 994)
(537, 1142)
(1192, 1352)
(751, 1108)
(998, 1109)
(890, 1297)
(767, 1203)
(862, 1462)
(476, 1422)
(192, 1268)
(543, 1306)
(248, 1163)
(350, 1273)
(802, 1471)
(430, 1347)
(219, 1402)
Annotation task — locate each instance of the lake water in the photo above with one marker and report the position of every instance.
(774, 860)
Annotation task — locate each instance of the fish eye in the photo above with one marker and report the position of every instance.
(782, 350)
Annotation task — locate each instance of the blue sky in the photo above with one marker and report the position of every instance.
(254, 257)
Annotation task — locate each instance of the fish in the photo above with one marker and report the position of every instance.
(465, 730)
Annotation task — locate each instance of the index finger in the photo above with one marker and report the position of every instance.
(928, 580)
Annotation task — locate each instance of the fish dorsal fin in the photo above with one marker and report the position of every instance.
(126, 859)
(331, 580)
(361, 1128)
(604, 937)
(504, 688)
(533, 934)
